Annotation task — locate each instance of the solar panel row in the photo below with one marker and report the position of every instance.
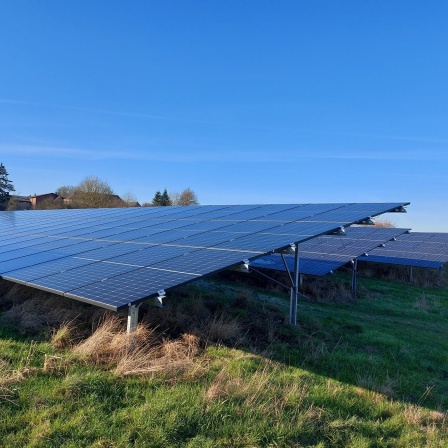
(321, 255)
(419, 249)
(115, 257)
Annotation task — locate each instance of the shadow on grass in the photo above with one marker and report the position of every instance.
(391, 339)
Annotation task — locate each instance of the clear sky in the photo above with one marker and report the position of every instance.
(244, 101)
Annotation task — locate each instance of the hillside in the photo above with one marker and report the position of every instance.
(219, 367)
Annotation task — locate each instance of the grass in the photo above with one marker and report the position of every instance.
(219, 367)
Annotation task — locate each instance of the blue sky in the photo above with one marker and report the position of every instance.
(242, 101)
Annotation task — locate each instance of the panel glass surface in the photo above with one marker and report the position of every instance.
(422, 249)
(81, 276)
(128, 288)
(306, 265)
(152, 255)
(95, 235)
(431, 264)
(23, 262)
(204, 261)
(44, 269)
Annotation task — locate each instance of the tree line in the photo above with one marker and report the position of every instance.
(6, 187)
(92, 192)
(185, 197)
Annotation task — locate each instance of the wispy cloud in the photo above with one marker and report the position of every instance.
(112, 112)
(149, 116)
(385, 155)
(155, 155)
(217, 155)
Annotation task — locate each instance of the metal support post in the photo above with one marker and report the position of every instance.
(354, 274)
(410, 274)
(132, 318)
(294, 290)
(300, 280)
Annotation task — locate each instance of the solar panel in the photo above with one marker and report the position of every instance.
(27, 274)
(419, 249)
(147, 256)
(324, 254)
(204, 261)
(114, 257)
(306, 265)
(124, 289)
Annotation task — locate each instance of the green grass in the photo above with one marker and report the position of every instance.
(370, 372)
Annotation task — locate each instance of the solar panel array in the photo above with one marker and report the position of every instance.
(324, 254)
(420, 249)
(116, 257)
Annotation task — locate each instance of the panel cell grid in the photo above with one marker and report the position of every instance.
(324, 254)
(88, 240)
(420, 249)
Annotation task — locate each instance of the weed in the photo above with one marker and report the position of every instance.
(223, 329)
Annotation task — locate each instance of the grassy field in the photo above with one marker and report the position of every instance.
(220, 367)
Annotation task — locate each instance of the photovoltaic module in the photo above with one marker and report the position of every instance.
(121, 256)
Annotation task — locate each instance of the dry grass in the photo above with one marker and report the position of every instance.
(140, 353)
(223, 329)
(418, 416)
(6, 377)
(169, 357)
(222, 386)
(102, 346)
(423, 277)
(30, 311)
(386, 388)
(323, 290)
(64, 336)
(251, 389)
(261, 392)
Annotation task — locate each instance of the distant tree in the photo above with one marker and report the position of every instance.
(129, 199)
(66, 191)
(384, 223)
(157, 199)
(188, 197)
(161, 199)
(50, 204)
(6, 187)
(93, 192)
(165, 199)
(13, 204)
(185, 197)
(174, 196)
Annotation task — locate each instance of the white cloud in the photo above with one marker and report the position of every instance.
(183, 155)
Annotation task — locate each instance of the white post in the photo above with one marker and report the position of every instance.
(354, 274)
(132, 318)
(294, 290)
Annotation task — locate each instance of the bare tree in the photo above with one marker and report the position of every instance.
(66, 191)
(129, 199)
(386, 223)
(174, 196)
(50, 204)
(93, 192)
(188, 197)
